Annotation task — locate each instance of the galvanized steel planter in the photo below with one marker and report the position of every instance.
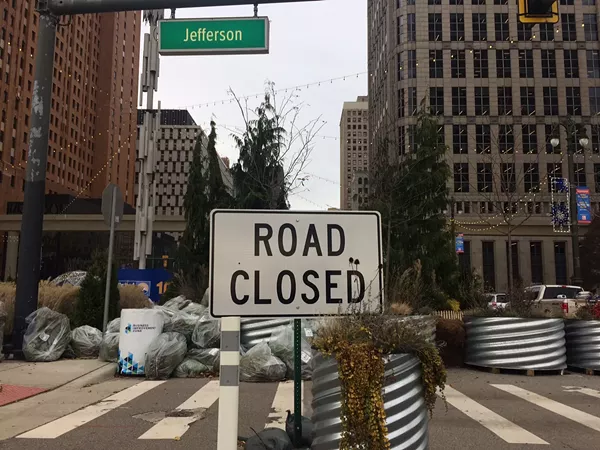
(516, 343)
(583, 343)
(407, 416)
(255, 331)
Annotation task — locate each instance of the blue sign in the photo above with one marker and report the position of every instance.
(584, 207)
(153, 282)
(460, 244)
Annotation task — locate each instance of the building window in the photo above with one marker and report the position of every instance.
(460, 140)
(464, 259)
(411, 27)
(483, 138)
(479, 27)
(569, 28)
(436, 64)
(537, 263)
(554, 170)
(594, 93)
(458, 63)
(529, 139)
(514, 255)
(400, 68)
(400, 103)
(526, 63)
(548, 63)
(457, 27)
(593, 63)
(480, 64)
(546, 32)
(484, 177)
(461, 177)
(590, 25)
(459, 101)
(482, 101)
(532, 177)
(508, 177)
(501, 26)
(506, 140)
(435, 27)
(550, 101)
(560, 262)
(571, 64)
(573, 101)
(503, 68)
(489, 269)
(580, 178)
(412, 101)
(505, 101)
(597, 177)
(412, 64)
(527, 101)
(436, 98)
(524, 32)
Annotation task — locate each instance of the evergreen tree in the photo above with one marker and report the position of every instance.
(206, 191)
(90, 305)
(258, 177)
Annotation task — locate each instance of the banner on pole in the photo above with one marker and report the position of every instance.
(460, 244)
(153, 282)
(584, 207)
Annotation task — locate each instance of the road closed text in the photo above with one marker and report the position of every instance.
(333, 286)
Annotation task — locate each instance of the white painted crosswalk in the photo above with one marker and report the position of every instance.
(486, 412)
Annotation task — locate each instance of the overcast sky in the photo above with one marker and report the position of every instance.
(310, 42)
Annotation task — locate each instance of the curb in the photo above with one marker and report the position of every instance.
(103, 373)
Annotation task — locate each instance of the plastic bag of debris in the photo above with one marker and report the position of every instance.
(109, 348)
(47, 337)
(210, 357)
(114, 326)
(167, 313)
(164, 354)
(204, 301)
(259, 364)
(177, 303)
(85, 341)
(282, 346)
(207, 333)
(3, 316)
(194, 308)
(269, 439)
(182, 322)
(190, 368)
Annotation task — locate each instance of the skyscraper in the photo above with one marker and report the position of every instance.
(502, 91)
(354, 153)
(93, 112)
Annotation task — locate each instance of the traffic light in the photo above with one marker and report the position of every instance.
(538, 11)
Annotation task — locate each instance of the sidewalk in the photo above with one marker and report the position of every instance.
(20, 379)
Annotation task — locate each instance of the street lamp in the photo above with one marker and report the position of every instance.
(571, 147)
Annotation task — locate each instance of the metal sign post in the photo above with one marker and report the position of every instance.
(297, 382)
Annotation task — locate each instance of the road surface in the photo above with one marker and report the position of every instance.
(485, 411)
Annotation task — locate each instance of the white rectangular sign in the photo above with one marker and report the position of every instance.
(294, 264)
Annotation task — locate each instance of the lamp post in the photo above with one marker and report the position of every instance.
(571, 129)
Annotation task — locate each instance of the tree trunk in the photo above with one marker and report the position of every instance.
(510, 263)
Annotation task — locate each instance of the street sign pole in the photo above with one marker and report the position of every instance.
(229, 384)
(111, 240)
(297, 382)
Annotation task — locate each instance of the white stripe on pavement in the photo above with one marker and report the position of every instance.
(193, 409)
(575, 415)
(501, 427)
(586, 391)
(284, 400)
(71, 421)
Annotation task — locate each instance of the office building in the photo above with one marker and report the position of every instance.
(501, 90)
(354, 153)
(93, 108)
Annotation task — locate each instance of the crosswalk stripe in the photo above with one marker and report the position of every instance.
(573, 414)
(284, 400)
(581, 390)
(69, 422)
(193, 409)
(501, 427)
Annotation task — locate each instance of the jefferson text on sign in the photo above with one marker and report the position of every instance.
(294, 264)
(227, 36)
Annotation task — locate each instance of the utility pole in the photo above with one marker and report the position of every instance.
(28, 275)
(571, 129)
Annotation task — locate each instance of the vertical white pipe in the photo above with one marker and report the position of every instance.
(229, 395)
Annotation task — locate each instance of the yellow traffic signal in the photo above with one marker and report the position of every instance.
(538, 11)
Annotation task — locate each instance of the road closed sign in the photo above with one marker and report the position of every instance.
(294, 264)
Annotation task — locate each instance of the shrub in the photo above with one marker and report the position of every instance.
(454, 305)
(589, 312)
(131, 296)
(400, 309)
(453, 336)
(358, 342)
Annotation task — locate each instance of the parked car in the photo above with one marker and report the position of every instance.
(556, 299)
(497, 301)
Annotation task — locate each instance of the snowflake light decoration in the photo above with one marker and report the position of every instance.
(560, 213)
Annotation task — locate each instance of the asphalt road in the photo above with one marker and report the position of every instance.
(485, 411)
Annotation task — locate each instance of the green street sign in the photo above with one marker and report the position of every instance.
(226, 36)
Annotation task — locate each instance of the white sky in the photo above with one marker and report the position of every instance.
(310, 42)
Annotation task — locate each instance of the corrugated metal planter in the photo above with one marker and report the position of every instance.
(407, 416)
(255, 331)
(516, 343)
(583, 343)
